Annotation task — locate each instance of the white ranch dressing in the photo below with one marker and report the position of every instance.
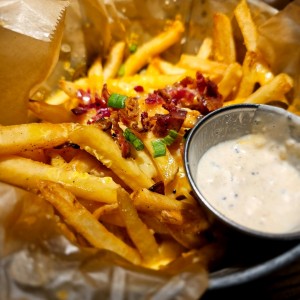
(250, 181)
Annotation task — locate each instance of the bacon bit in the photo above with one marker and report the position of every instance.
(100, 114)
(145, 120)
(139, 89)
(154, 98)
(79, 110)
(171, 121)
(132, 108)
(198, 94)
(104, 124)
(105, 93)
(158, 188)
(117, 134)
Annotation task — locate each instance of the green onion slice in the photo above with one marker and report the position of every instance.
(116, 101)
(159, 148)
(132, 48)
(170, 138)
(121, 71)
(133, 139)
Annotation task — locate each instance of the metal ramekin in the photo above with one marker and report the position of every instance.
(232, 122)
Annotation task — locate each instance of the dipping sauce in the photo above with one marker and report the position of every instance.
(251, 181)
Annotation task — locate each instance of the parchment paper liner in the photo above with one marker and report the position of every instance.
(37, 262)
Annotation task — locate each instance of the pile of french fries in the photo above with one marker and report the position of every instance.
(106, 200)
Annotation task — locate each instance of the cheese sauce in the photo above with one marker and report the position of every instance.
(250, 181)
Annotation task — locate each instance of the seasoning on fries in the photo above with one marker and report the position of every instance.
(115, 138)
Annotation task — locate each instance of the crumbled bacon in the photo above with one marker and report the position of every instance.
(117, 134)
(89, 101)
(171, 121)
(154, 98)
(139, 89)
(145, 120)
(198, 94)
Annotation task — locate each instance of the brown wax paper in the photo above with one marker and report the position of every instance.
(30, 34)
(37, 262)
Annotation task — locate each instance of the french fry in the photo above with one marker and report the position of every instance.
(223, 42)
(102, 146)
(17, 138)
(152, 48)
(211, 68)
(274, 90)
(230, 80)
(145, 200)
(126, 85)
(60, 97)
(95, 77)
(167, 68)
(248, 79)
(26, 173)
(187, 239)
(205, 50)
(104, 209)
(137, 230)
(247, 26)
(114, 60)
(84, 222)
(51, 113)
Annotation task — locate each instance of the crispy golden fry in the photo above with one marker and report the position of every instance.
(154, 47)
(230, 80)
(105, 209)
(102, 146)
(36, 154)
(167, 68)
(57, 161)
(211, 68)
(152, 69)
(96, 69)
(51, 113)
(255, 70)
(247, 26)
(126, 85)
(189, 240)
(205, 50)
(137, 230)
(145, 200)
(274, 90)
(60, 96)
(95, 77)
(84, 222)
(248, 79)
(223, 42)
(26, 173)
(191, 118)
(153, 223)
(114, 60)
(17, 138)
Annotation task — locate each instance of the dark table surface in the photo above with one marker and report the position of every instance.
(284, 284)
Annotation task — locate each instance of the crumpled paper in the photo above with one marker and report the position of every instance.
(36, 261)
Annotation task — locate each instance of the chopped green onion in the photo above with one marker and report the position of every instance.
(121, 71)
(116, 101)
(159, 148)
(132, 48)
(133, 139)
(170, 138)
